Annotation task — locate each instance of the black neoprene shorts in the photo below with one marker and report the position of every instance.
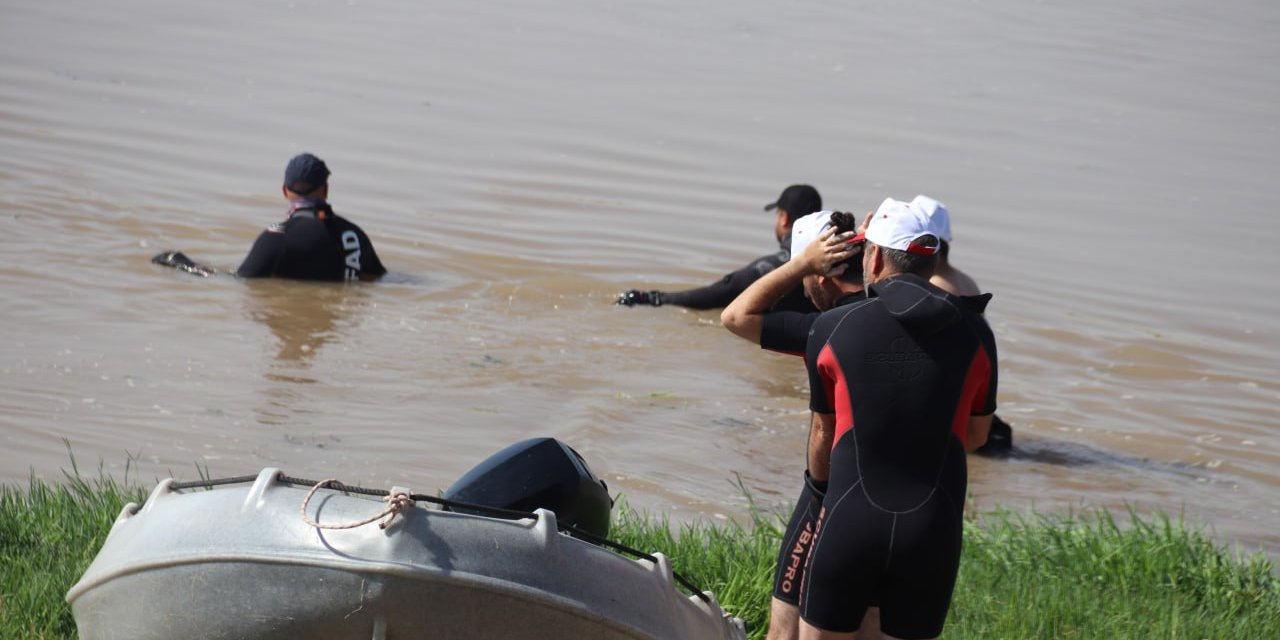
(904, 562)
(794, 551)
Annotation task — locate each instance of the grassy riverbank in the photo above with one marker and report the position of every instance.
(1037, 577)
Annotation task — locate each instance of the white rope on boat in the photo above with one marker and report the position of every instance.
(396, 503)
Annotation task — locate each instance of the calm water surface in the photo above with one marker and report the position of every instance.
(1109, 166)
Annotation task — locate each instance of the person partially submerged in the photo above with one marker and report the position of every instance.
(795, 202)
(311, 243)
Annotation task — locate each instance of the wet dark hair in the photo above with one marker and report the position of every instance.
(847, 222)
(908, 262)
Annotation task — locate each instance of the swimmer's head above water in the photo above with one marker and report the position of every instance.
(306, 176)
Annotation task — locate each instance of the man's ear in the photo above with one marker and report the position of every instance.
(875, 259)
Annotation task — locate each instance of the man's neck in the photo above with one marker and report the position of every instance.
(307, 204)
(850, 288)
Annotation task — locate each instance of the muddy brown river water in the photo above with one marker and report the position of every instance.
(1110, 168)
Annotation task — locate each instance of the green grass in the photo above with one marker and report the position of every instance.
(733, 561)
(1069, 577)
(1064, 576)
(48, 535)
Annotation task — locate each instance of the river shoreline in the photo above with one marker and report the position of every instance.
(1024, 576)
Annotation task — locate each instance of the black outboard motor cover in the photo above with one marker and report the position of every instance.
(539, 473)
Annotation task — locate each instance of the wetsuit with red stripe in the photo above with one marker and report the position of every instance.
(903, 371)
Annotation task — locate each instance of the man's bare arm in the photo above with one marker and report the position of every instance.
(822, 434)
(745, 315)
(979, 429)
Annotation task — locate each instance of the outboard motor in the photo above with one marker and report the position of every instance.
(540, 473)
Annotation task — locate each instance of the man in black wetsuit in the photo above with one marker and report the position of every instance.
(830, 270)
(795, 202)
(313, 242)
(901, 385)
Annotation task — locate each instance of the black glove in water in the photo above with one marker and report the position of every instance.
(179, 260)
(634, 297)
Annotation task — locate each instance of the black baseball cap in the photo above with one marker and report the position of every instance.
(798, 200)
(305, 173)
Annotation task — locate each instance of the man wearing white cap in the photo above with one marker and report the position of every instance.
(953, 280)
(901, 385)
(822, 263)
(829, 269)
(944, 275)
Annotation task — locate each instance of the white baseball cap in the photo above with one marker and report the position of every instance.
(897, 224)
(807, 229)
(937, 213)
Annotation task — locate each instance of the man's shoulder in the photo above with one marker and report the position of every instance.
(956, 282)
(974, 309)
(343, 223)
(827, 322)
(843, 311)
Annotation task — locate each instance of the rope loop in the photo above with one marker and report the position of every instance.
(396, 503)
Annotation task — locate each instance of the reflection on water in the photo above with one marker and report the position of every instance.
(303, 316)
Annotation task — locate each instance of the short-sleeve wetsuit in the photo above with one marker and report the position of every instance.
(721, 293)
(903, 371)
(788, 332)
(313, 243)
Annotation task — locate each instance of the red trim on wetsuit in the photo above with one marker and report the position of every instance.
(837, 392)
(973, 396)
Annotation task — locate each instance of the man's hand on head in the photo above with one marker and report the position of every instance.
(826, 251)
(866, 220)
(633, 297)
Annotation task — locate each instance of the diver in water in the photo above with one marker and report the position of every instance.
(312, 243)
(795, 202)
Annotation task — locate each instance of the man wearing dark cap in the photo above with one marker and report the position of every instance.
(313, 242)
(795, 202)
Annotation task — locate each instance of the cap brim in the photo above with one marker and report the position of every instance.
(922, 250)
(861, 237)
(771, 206)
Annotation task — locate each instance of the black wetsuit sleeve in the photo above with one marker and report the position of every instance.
(715, 295)
(262, 258)
(985, 404)
(786, 331)
(369, 262)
